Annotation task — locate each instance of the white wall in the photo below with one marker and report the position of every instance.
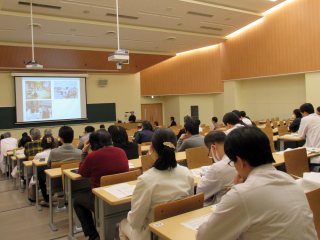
(313, 88)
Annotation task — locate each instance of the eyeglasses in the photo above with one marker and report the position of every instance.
(231, 163)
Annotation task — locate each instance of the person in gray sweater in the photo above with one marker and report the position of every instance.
(191, 138)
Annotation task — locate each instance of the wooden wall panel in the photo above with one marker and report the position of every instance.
(286, 41)
(13, 58)
(195, 72)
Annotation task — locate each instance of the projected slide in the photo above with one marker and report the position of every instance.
(50, 98)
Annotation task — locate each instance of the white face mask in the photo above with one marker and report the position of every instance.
(214, 154)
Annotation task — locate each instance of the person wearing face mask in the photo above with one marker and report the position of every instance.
(218, 178)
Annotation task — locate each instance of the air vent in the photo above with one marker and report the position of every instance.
(40, 5)
(122, 16)
(171, 38)
(200, 14)
(211, 28)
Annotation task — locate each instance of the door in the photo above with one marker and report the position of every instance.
(152, 112)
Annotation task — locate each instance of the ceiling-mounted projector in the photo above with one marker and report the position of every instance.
(34, 65)
(120, 55)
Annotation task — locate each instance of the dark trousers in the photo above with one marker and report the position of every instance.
(42, 182)
(83, 205)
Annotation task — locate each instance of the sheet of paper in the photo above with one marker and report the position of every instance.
(312, 150)
(131, 165)
(312, 176)
(195, 223)
(121, 190)
(196, 171)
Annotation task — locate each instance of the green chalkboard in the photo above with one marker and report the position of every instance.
(101, 112)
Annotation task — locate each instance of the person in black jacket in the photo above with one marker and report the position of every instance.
(294, 126)
(120, 139)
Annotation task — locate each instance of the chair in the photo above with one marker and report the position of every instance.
(146, 162)
(68, 165)
(187, 204)
(314, 203)
(296, 162)
(269, 132)
(119, 178)
(142, 144)
(197, 157)
(282, 130)
(58, 164)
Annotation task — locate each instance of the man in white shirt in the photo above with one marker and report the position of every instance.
(310, 128)
(218, 178)
(6, 144)
(245, 119)
(265, 204)
(231, 121)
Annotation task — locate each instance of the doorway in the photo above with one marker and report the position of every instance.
(152, 112)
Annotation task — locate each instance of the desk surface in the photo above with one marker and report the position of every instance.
(290, 137)
(53, 172)
(27, 163)
(39, 163)
(172, 229)
(21, 156)
(73, 176)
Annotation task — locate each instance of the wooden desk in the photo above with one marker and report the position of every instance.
(279, 156)
(35, 165)
(51, 175)
(172, 229)
(289, 138)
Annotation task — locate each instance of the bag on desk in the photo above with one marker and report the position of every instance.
(32, 190)
(14, 172)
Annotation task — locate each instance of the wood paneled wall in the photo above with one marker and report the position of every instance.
(195, 72)
(12, 57)
(287, 41)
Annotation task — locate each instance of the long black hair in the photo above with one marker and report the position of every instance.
(164, 141)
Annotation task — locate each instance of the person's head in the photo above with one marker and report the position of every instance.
(89, 129)
(247, 148)
(35, 134)
(230, 119)
(163, 146)
(6, 135)
(192, 127)
(171, 119)
(25, 138)
(111, 128)
(297, 113)
(102, 126)
(146, 125)
(100, 139)
(237, 112)
(215, 143)
(214, 119)
(243, 114)
(156, 123)
(306, 109)
(119, 135)
(47, 142)
(132, 113)
(1, 136)
(66, 134)
(186, 118)
(30, 131)
(47, 132)
(318, 110)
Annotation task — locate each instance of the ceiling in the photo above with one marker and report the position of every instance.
(149, 26)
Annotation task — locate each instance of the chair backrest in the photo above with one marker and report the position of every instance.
(187, 204)
(146, 162)
(58, 164)
(314, 203)
(142, 144)
(197, 157)
(268, 131)
(282, 130)
(119, 177)
(75, 142)
(68, 165)
(296, 162)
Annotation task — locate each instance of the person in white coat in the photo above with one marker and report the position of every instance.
(166, 181)
(6, 144)
(265, 204)
(217, 179)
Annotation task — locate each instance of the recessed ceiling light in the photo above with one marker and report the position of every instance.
(171, 38)
(179, 24)
(73, 29)
(110, 33)
(273, 0)
(86, 11)
(227, 19)
(35, 25)
(169, 9)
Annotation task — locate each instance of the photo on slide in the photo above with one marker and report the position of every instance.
(66, 89)
(38, 110)
(38, 90)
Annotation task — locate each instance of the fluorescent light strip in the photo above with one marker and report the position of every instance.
(231, 35)
(277, 7)
(198, 49)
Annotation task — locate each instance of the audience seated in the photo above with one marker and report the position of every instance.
(6, 144)
(245, 119)
(191, 138)
(32, 148)
(264, 203)
(24, 139)
(294, 126)
(84, 139)
(172, 122)
(183, 130)
(214, 123)
(165, 181)
(103, 160)
(218, 178)
(120, 139)
(310, 128)
(231, 121)
(318, 110)
(145, 134)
